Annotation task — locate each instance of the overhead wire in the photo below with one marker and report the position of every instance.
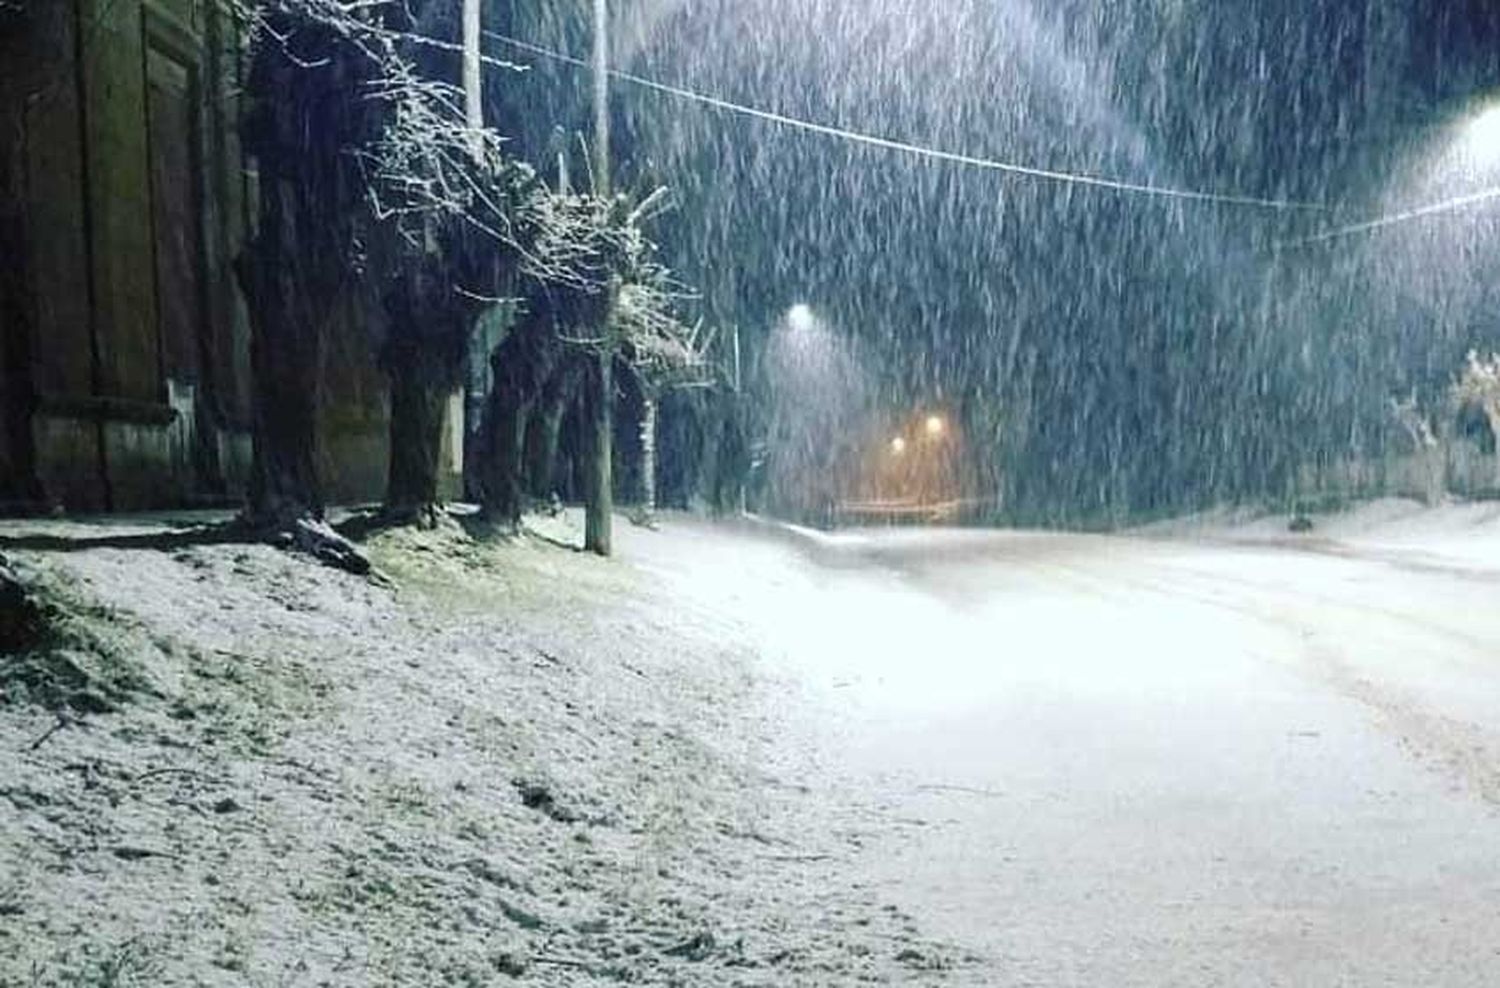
(1365, 226)
(935, 154)
(1404, 216)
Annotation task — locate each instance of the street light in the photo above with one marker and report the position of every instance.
(1481, 136)
(1475, 149)
(935, 426)
(898, 446)
(800, 318)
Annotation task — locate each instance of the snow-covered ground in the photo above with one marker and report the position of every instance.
(1461, 534)
(1224, 755)
(519, 763)
(1206, 753)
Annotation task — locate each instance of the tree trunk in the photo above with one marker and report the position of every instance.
(544, 433)
(423, 356)
(647, 470)
(294, 271)
(732, 466)
(521, 367)
(1492, 414)
(286, 312)
(599, 508)
(476, 399)
(1434, 474)
(505, 488)
(419, 405)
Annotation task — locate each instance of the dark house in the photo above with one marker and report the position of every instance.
(124, 200)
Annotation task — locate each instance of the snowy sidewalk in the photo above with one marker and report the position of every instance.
(1461, 537)
(522, 764)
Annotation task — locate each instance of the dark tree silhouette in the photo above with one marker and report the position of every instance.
(296, 270)
(377, 182)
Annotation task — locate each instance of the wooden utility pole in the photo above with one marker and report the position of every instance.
(475, 387)
(599, 511)
(473, 77)
(647, 509)
(601, 97)
(741, 468)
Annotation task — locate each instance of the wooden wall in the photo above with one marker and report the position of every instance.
(124, 199)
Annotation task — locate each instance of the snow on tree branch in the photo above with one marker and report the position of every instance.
(1414, 421)
(427, 171)
(423, 160)
(621, 292)
(1479, 382)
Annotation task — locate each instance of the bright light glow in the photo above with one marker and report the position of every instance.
(800, 318)
(1482, 135)
(935, 425)
(898, 446)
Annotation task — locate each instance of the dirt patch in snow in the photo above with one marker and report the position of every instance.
(517, 764)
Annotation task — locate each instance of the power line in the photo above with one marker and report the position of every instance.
(1380, 222)
(935, 154)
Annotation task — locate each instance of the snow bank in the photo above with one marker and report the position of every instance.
(521, 764)
(1458, 535)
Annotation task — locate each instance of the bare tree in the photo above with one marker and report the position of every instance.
(426, 220)
(593, 294)
(297, 268)
(670, 356)
(431, 212)
(641, 329)
(544, 430)
(444, 198)
(1479, 385)
(1431, 456)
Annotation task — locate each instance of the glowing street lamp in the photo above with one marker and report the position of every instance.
(935, 426)
(800, 318)
(1482, 135)
(898, 446)
(1475, 147)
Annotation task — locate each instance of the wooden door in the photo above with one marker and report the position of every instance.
(177, 218)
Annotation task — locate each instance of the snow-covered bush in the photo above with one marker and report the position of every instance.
(1431, 458)
(1478, 385)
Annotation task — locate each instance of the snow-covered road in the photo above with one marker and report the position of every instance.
(1189, 757)
(1132, 761)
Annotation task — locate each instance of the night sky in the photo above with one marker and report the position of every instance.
(1107, 350)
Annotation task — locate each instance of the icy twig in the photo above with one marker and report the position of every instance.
(63, 720)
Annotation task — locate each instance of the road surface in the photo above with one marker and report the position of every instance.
(1121, 761)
